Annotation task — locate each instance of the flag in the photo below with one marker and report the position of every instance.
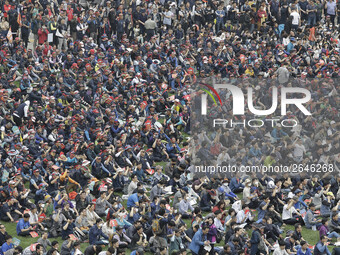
(34, 234)
(19, 19)
(10, 35)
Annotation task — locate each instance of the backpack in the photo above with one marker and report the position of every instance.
(156, 227)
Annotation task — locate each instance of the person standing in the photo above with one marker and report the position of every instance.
(296, 19)
(25, 30)
(255, 239)
(283, 74)
(331, 10)
(150, 26)
(62, 34)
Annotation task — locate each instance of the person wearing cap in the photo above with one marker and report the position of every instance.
(300, 204)
(36, 180)
(98, 169)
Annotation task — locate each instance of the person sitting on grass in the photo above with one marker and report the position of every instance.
(96, 233)
(321, 246)
(14, 251)
(7, 245)
(23, 227)
(93, 250)
(3, 234)
(310, 219)
(304, 250)
(34, 249)
(324, 230)
(44, 241)
(281, 250)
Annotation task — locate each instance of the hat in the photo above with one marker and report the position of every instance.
(47, 197)
(12, 152)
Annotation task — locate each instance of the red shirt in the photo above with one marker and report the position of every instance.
(7, 7)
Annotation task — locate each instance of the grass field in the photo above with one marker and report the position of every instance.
(309, 235)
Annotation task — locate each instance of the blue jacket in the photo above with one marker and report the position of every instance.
(300, 252)
(235, 184)
(255, 241)
(321, 249)
(95, 233)
(197, 241)
(22, 225)
(5, 247)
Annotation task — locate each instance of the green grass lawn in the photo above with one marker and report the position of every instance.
(312, 237)
(309, 235)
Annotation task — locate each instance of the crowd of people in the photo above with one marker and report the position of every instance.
(99, 127)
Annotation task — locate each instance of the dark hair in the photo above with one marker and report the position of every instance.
(324, 220)
(205, 227)
(196, 227)
(98, 249)
(18, 248)
(54, 242)
(26, 215)
(114, 240)
(282, 242)
(111, 249)
(161, 211)
(8, 237)
(297, 225)
(38, 246)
